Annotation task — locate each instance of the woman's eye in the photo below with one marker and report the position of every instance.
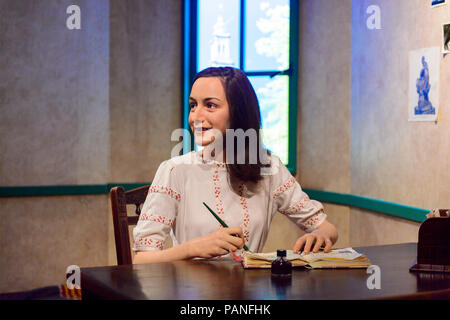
(211, 105)
(192, 106)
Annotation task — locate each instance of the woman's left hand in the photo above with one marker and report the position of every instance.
(313, 241)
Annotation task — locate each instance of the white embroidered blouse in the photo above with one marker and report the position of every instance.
(174, 204)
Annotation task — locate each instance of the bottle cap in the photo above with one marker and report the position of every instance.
(281, 253)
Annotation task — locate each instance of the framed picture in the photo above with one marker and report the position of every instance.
(424, 68)
(446, 38)
(437, 3)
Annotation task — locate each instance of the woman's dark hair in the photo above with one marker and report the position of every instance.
(244, 114)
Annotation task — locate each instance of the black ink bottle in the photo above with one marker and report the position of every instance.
(281, 267)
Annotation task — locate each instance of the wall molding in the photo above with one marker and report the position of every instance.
(64, 190)
(351, 200)
(381, 206)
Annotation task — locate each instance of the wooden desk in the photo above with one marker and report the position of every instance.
(223, 280)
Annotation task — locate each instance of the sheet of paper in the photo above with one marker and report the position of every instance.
(341, 254)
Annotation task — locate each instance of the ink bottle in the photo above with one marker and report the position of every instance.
(281, 267)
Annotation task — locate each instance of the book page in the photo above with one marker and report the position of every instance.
(335, 254)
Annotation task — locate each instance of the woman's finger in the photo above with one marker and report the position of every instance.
(235, 230)
(225, 245)
(310, 239)
(319, 242)
(235, 240)
(299, 244)
(328, 245)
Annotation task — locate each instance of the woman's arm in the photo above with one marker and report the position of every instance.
(215, 244)
(179, 252)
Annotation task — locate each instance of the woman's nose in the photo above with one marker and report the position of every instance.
(198, 114)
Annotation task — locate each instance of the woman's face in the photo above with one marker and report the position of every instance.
(209, 109)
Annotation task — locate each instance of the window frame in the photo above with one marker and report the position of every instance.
(189, 67)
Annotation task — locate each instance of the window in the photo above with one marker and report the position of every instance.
(260, 38)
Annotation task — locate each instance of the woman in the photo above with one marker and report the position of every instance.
(245, 195)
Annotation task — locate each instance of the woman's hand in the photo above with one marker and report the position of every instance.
(313, 241)
(218, 243)
(324, 236)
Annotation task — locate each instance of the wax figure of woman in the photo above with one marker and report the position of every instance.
(244, 194)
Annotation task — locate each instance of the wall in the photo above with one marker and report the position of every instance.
(41, 236)
(323, 154)
(393, 159)
(54, 87)
(79, 107)
(54, 129)
(145, 86)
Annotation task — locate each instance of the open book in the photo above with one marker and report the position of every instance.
(336, 258)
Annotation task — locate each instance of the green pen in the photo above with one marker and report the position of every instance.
(220, 220)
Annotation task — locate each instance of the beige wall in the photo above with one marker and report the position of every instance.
(87, 106)
(145, 86)
(323, 154)
(98, 105)
(393, 159)
(54, 130)
(53, 94)
(41, 236)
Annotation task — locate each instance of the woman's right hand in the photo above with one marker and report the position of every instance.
(220, 242)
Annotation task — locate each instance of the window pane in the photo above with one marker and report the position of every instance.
(266, 35)
(273, 97)
(218, 33)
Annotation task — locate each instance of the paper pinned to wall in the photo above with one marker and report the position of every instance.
(424, 68)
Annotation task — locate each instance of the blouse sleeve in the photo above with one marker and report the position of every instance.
(290, 200)
(159, 211)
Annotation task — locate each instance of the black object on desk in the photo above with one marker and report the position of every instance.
(433, 249)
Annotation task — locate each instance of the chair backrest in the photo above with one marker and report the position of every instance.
(119, 201)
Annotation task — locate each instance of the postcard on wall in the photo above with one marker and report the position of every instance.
(437, 3)
(424, 68)
(446, 38)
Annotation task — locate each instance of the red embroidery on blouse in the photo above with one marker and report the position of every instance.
(169, 191)
(284, 187)
(246, 216)
(221, 165)
(147, 242)
(312, 221)
(217, 191)
(152, 217)
(297, 207)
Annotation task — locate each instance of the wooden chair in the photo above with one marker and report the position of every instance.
(119, 201)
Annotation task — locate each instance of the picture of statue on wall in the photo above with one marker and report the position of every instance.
(446, 38)
(424, 67)
(437, 3)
